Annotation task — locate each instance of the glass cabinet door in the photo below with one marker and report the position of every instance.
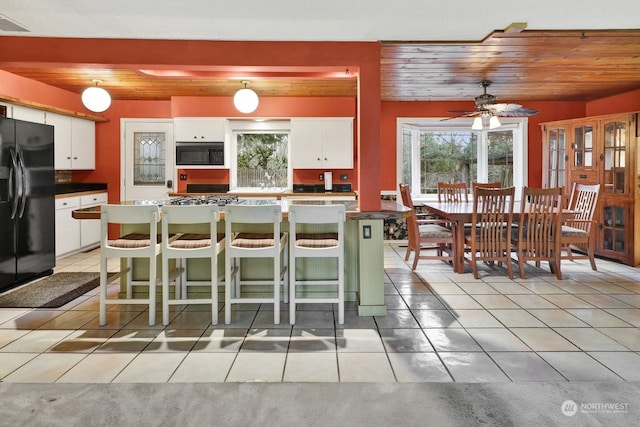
(614, 157)
(583, 146)
(614, 230)
(557, 152)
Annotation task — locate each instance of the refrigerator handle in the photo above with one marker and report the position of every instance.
(23, 183)
(14, 187)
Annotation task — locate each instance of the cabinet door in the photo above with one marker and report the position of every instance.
(83, 144)
(306, 144)
(67, 227)
(337, 144)
(90, 228)
(61, 140)
(615, 160)
(199, 129)
(555, 156)
(584, 153)
(28, 114)
(615, 237)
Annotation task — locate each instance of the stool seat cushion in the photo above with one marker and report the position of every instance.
(253, 240)
(317, 240)
(133, 240)
(193, 241)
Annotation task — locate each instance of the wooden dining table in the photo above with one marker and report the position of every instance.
(459, 214)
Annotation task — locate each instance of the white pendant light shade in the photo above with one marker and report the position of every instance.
(246, 100)
(477, 123)
(494, 122)
(96, 99)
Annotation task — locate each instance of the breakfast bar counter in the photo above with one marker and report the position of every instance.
(364, 245)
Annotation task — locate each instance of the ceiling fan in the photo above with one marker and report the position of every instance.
(487, 111)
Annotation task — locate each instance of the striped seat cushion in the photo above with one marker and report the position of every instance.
(253, 240)
(434, 230)
(193, 241)
(133, 240)
(317, 240)
(573, 232)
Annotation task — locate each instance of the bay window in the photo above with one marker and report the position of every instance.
(432, 151)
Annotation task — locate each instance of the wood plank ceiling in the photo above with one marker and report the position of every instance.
(530, 65)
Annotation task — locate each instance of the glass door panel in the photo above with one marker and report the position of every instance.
(614, 158)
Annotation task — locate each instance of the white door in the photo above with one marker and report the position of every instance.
(147, 159)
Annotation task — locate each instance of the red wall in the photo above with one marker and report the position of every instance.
(623, 103)
(391, 111)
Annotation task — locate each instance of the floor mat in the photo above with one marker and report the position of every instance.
(52, 291)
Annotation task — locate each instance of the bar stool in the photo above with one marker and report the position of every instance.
(129, 246)
(245, 237)
(188, 245)
(305, 242)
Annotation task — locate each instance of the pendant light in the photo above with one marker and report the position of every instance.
(246, 100)
(96, 98)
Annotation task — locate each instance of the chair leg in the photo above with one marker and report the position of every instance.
(103, 290)
(129, 278)
(591, 256)
(509, 267)
(276, 289)
(227, 290)
(521, 266)
(474, 266)
(416, 257)
(152, 290)
(165, 291)
(214, 289)
(292, 289)
(341, 290)
(285, 275)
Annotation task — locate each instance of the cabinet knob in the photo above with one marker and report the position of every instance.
(75, 158)
(325, 159)
(68, 158)
(318, 158)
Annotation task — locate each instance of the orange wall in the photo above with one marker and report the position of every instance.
(391, 111)
(361, 58)
(623, 103)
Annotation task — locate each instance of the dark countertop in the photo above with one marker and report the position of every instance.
(388, 209)
(79, 187)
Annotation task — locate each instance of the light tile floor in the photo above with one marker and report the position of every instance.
(440, 327)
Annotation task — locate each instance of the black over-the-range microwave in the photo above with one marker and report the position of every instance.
(200, 153)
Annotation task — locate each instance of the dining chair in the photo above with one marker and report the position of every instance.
(452, 192)
(537, 237)
(578, 232)
(190, 245)
(307, 241)
(475, 185)
(253, 231)
(145, 245)
(423, 234)
(489, 238)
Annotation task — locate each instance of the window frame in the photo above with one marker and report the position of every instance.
(256, 127)
(519, 126)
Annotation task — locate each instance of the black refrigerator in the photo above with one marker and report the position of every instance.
(27, 202)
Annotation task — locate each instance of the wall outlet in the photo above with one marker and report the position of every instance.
(321, 177)
(366, 231)
(343, 177)
(183, 177)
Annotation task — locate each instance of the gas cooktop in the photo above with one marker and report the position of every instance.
(204, 200)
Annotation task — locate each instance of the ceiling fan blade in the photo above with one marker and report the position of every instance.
(462, 114)
(510, 110)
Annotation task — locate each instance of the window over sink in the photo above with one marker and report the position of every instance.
(260, 156)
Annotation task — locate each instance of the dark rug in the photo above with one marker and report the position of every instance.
(51, 292)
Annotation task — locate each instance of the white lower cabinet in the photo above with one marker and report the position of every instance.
(74, 235)
(90, 228)
(67, 227)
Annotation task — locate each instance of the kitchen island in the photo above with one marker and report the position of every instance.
(364, 275)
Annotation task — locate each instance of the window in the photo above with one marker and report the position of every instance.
(260, 156)
(430, 151)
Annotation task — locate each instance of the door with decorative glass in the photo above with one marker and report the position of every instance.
(147, 159)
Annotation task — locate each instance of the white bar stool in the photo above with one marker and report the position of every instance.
(308, 243)
(187, 245)
(129, 246)
(246, 238)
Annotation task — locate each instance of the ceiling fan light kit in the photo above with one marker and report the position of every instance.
(246, 100)
(95, 98)
(487, 111)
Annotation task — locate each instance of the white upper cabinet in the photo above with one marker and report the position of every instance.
(27, 114)
(74, 142)
(202, 129)
(325, 143)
